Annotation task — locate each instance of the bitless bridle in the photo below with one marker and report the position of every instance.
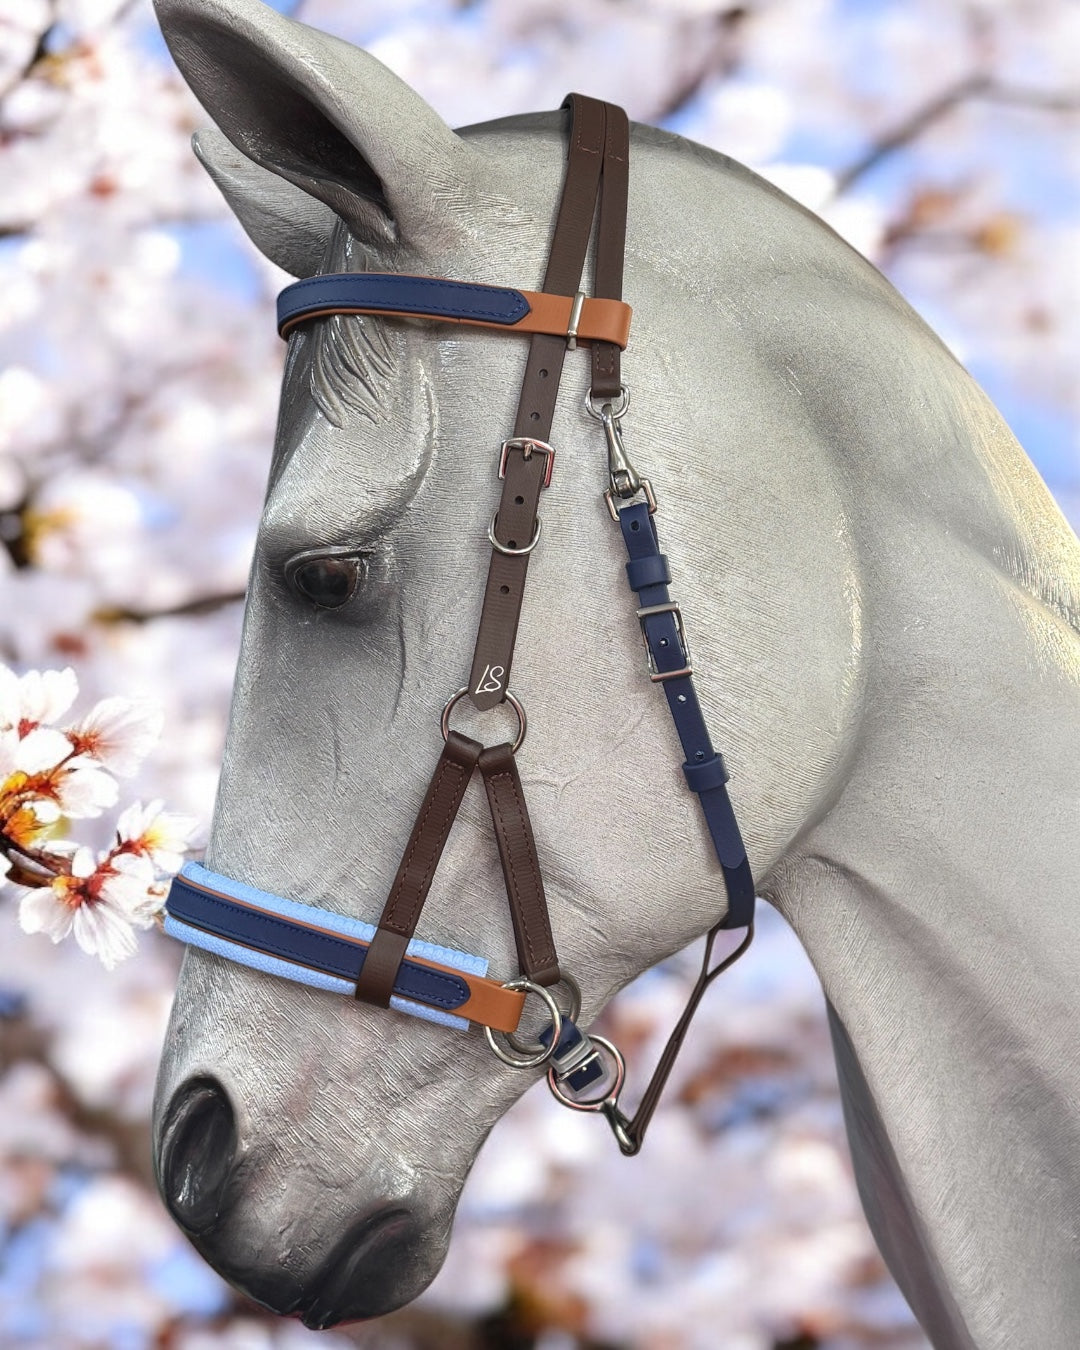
(385, 964)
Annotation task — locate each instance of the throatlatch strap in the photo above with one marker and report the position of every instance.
(669, 659)
(631, 1132)
(521, 867)
(400, 915)
(527, 470)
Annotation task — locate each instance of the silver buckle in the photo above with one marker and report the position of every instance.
(575, 319)
(659, 676)
(528, 444)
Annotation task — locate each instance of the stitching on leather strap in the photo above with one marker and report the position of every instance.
(534, 871)
(405, 923)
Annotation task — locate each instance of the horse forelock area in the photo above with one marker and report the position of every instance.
(352, 363)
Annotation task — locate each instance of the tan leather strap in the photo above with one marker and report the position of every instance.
(521, 868)
(515, 522)
(437, 813)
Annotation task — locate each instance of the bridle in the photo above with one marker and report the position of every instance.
(385, 964)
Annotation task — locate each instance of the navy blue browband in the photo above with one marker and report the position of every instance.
(578, 318)
(388, 292)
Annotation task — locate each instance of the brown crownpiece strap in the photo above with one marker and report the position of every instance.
(611, 248)
(514, 529)
(521, 867)
(400, 915)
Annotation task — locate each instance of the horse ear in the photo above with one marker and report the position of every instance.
(284, 223)
(321, 114)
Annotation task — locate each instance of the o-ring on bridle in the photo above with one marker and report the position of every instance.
(385, 964)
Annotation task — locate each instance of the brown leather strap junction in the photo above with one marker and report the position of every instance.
(521, 867)
(599, 320)
(437, 813)
(515, 526)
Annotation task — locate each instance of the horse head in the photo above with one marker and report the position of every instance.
(815, 450)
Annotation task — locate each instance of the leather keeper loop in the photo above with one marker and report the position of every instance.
(712, 774)
(652, 570)
(379, 972)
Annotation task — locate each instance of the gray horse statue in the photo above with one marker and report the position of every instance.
(885, 608)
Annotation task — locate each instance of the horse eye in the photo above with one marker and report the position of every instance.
(327, 582)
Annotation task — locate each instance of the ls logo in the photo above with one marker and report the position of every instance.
(491, 682)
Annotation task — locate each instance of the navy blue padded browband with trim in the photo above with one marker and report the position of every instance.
(390, 292)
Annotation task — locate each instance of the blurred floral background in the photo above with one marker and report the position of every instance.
(138, 388)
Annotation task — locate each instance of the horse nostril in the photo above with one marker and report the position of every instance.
(198, 1142)
(362, 1276)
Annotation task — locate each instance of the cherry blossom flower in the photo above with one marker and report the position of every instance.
(39, 696)
(154, 833)
(97, 902)
(118, 734)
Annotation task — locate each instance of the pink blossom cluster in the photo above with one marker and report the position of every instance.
(51, 775)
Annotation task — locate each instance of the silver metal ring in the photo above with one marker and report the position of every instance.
(610, 1096)
(513, 552)
(595, 408)
(546, 1051)
(523, 721)
(570, 1015)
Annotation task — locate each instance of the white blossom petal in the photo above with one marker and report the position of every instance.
(103, 931)
(9, 751)
(119, 733)
(9, 699)
(83, 863)
(41, 749)
(43, 911)
(85, 791)
(45, 695)
(132, 891)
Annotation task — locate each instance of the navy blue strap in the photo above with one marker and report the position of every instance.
(388, 292)
(669, 660)
(295, 942)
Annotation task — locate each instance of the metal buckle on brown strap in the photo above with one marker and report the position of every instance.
(528, 445)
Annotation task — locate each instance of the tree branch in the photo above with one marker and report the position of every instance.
(911, 127)
(204, 604)
(1043, 100)
(41, 50)
(976, 86)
